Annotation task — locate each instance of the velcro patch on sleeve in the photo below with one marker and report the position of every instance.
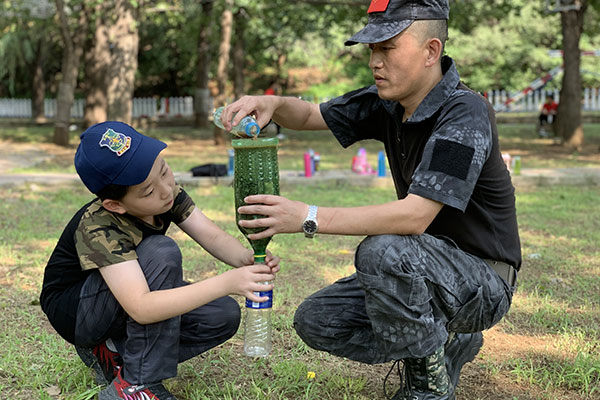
(451, 158)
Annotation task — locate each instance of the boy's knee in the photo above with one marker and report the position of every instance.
(159, 248)
(229, 316)
(160, 260)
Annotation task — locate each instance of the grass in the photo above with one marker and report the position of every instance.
(546, 348)
(550, 335)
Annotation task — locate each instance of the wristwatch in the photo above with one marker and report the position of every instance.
(310, 225)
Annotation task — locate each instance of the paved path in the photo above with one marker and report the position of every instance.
(528, 177)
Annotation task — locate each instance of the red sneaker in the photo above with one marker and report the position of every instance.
(105, 362)
(121, 389)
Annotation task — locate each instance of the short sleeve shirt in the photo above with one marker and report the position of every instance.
(447, 151)
(96, 238)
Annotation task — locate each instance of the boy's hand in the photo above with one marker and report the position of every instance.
(249, 279)
(271, 261)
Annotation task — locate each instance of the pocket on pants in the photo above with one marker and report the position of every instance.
(479, 313)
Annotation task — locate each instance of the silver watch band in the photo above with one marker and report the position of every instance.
(312, 212)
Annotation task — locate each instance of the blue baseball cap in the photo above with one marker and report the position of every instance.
(387, 18)
(113, 152)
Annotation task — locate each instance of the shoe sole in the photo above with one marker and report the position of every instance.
(90, 361)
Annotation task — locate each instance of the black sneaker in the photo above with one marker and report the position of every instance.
(461, 349)
(104, 361)
(121, 389)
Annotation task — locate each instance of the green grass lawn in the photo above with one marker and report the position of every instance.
(546, 347)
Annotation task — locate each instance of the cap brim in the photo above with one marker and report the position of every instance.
(139, 166)
(379, 32)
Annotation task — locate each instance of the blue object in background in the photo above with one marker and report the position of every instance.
(230, 165)
(381, 164)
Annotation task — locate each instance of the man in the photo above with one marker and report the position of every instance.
(438, 265)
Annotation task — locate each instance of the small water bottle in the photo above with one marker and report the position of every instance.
(231, 154)
(257, 334)
(381, 164)
(248, 127)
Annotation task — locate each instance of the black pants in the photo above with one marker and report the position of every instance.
(151, 352)
(407, 294)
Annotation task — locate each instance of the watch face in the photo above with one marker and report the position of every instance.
(309, 227)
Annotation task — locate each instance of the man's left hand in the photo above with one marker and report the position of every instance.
(281, 215)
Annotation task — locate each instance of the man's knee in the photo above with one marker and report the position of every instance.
(384, 252)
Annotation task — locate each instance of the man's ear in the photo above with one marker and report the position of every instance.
(114, 206)
(434, 51)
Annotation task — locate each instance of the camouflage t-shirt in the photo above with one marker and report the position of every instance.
(446, 151)
(96, 238)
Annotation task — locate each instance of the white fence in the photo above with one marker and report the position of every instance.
(169, 107)
(533, 100)
(142, 107)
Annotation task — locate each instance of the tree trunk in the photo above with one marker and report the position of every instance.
(202, 93)
(97, 61)
(238, 52)
(568, 124)
(38, 88)
(123, 42)
(69, 69)
(224, 49)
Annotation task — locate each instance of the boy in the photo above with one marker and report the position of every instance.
(113, 285)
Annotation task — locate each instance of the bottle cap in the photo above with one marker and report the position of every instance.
(252, 129)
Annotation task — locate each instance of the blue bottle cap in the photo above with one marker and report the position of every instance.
(252, 129)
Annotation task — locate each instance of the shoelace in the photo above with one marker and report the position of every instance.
(396, 365)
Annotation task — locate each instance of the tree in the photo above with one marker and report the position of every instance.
(568, 124)
(201, 93)
(239, 52)
(73, 39)
(223, 62)
(97, 63)
(124, 43)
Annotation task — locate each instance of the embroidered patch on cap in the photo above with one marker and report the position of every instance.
(378, 6)
(117, 142)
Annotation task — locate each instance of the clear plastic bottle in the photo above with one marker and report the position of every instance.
(248, 127)
(257, 333)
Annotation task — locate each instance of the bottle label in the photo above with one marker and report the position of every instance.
(258, 306)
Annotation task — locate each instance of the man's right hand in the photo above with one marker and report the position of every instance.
(261, 107)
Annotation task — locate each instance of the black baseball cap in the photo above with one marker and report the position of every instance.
(387, 18)
(113, 152)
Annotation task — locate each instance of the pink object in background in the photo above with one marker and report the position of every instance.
(360, 165)
(307, 165)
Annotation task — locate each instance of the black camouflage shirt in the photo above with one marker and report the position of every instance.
(96, 238)
(446, 151)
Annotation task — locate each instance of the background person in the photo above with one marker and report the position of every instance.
(438, 265)
(114, 283)
(546, 116)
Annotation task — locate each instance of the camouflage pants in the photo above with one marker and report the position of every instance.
(151, 352)
(407, 293)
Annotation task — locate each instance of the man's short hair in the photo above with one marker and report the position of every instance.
(430, 29)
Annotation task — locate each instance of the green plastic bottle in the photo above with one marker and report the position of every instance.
(256, 171)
